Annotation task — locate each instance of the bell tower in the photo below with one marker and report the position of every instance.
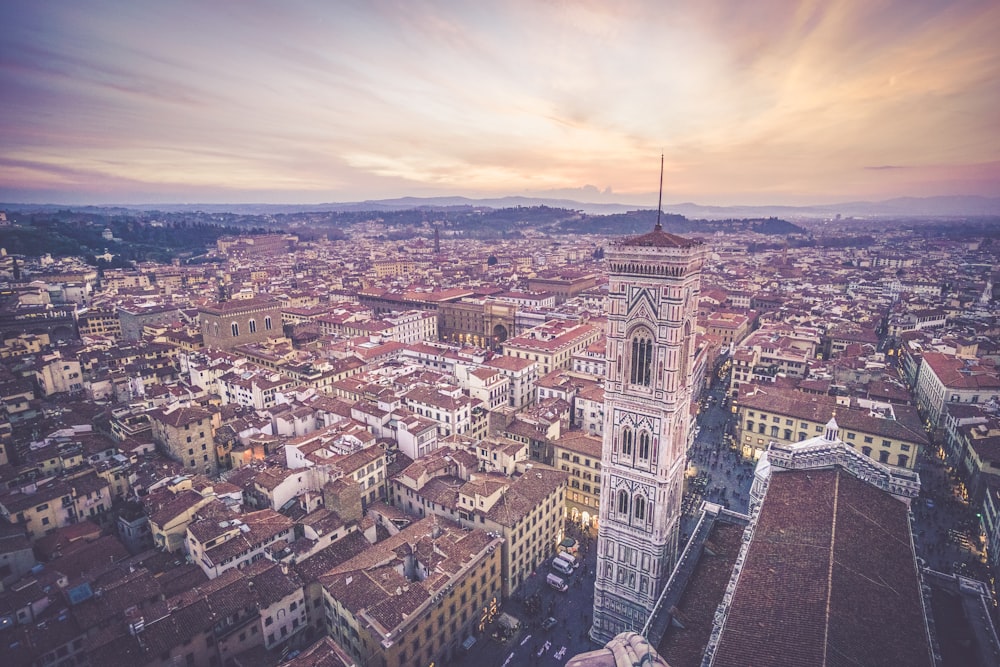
(654, 281)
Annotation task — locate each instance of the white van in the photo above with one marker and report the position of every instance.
(569, 558)
(556, 582)
(562, 566)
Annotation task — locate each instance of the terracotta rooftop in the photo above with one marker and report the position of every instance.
(830, 578)
(683, 645)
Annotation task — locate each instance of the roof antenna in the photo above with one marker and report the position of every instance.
(659, 204)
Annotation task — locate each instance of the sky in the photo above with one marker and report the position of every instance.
(763, 102)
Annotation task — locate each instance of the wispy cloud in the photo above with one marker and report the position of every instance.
(322, 101)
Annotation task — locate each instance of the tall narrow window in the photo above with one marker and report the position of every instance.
(640, 509)
(253, 326)
(644, 445)
(267, 323)
(623, 502)
(236, 329)
(642, 358)
(627, 441)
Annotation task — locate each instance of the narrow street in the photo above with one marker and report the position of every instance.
(946, 530)
(532, 604)
(715, 471)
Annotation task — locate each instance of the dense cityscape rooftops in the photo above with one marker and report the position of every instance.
(296, 437)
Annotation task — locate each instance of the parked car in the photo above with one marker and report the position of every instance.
(569, 558)
(548, 623)
(560, 565)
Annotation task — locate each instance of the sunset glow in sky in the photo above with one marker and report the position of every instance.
(763, 102)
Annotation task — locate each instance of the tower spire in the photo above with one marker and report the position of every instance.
(659, 203)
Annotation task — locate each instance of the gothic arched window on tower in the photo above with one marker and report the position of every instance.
(623, 502)
(627, 442)
(642, 358)
(640, 509)
(644, 445)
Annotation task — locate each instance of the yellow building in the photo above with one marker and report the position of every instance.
(98, 322)
(185, 434)
(171, 510)
(56, 504)
(413, 598)
(890, 434)
(579, 454)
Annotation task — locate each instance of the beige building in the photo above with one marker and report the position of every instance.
(99, 322)
(945, 378)
(230, 323)
(889, 434)
(413, 598)
(479, 322)
(579, 454)
(185, 434)
(563, 287)
(553, 344)
(170, 510)
(522, 374)
(57, 503)
(49, 506)
(731, 327)
(527, 509)
(56, 374)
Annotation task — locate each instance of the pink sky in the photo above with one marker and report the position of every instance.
(752, 103)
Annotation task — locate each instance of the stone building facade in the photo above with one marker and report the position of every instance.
(652, 312)
(230, 323)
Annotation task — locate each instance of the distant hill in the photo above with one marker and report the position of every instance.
(957, 206)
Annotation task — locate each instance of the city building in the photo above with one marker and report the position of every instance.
(552, 345)
(892, 434)
(945, 378)
(185, 434)
(654, 281)
(479, 322)
(230, 323)
(416, 596)
(563, 286)
(526, 509)
(579, 454)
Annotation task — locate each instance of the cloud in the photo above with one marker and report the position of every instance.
(773, 98)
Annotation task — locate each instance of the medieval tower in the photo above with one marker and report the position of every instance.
(653, 289)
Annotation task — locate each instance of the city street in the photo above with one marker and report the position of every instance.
(534, 602)
(945, 527)
(715, 471)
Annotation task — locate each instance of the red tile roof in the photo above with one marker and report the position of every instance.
(830, 578)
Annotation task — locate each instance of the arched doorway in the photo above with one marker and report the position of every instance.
(499, 334)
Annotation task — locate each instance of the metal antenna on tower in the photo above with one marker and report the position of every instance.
(659, 203)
